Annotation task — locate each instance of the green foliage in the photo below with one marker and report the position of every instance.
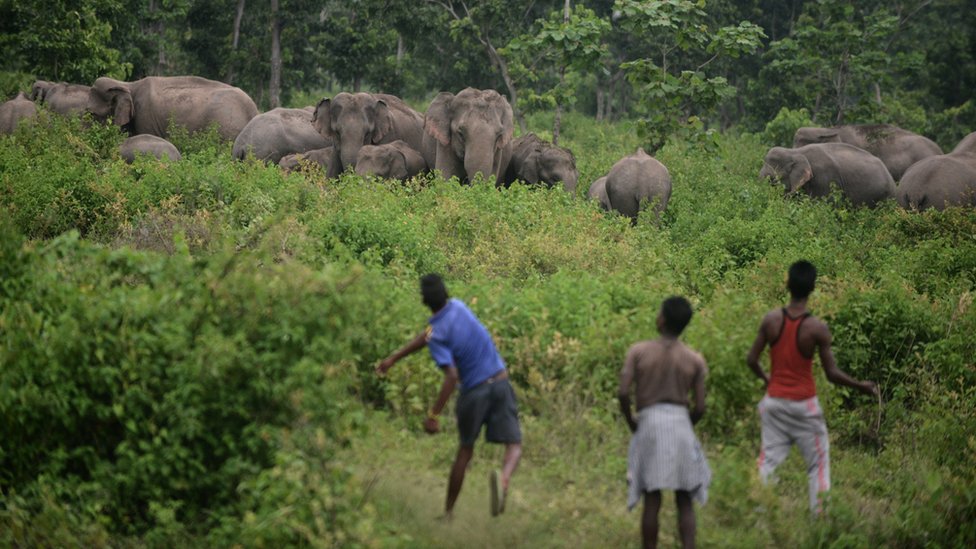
(779, 131)
(189, 347)
(63, 41)
(672, 89)
(542, 60)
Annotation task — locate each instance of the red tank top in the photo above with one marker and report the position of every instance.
(792, 373)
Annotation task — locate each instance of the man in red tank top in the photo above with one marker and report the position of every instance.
(790, 412)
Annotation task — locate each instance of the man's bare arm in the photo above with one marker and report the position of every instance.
(623, 390)
(835, 375)
(412, 346)
(758, 346)
(699, 390)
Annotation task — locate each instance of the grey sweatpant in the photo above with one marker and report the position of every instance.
(800, 422)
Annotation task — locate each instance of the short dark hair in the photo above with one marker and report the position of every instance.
(802, 279)
(677, 314)
(433, 291)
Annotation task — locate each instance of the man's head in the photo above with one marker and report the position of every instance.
(674, 316)
(433, 291)
(802, 277)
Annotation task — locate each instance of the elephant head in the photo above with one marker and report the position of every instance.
(786, 166)
(39, 90)
(109, 97)
(351, 121)
(807, 136)
(552, 165)
(395, 160)
(473, 130)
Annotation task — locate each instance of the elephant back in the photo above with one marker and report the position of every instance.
(15, 110)
(637, 179)
(193, 102)
(277, 133)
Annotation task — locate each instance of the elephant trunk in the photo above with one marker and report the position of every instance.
(480, 157)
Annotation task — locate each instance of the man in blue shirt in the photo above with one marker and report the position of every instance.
(463, 349)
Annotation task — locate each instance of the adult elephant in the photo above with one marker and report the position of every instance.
(279, 132)
(859, 175)
(148, 106)
(395, 160)
(941, 181)
(148, 145)
(473, 134)
(322, 157)
(897, 148)
(351, 120)
(536, 161)
(598, 192)
(14, 111)
(636, 181)
(61, 97)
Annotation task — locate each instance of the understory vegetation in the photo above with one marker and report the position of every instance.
(187, 349)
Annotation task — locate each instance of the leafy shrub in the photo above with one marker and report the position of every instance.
(779, 131)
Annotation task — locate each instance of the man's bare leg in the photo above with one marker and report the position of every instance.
(460, 466)
(686, 518)
(513, 453)
(652, 505)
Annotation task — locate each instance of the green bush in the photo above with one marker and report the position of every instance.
(779, 131)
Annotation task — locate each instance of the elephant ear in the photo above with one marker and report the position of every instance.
(322, 118)
(530, 168)
(504, 111)
(382, 122)
(437, 121)
(122, 105)
(800, 173)
(827, 137)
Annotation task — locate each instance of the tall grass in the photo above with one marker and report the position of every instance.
(224, 318)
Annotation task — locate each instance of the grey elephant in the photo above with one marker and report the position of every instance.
(151, 145)
(353, 120)
(61, 97)
(941, 181)
(472, 132)
(271, 135)
(395, 160)
(323, 157)
(598, 192)
(967, 144)
(897, 148)
(636, 181)
(859, 175)
(14, 111)
(536, 161)
(148, 106)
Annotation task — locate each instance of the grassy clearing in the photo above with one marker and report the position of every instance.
(223, 319)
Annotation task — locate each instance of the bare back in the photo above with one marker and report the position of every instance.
(664, 371)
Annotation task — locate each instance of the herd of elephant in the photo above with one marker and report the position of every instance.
(470, 133)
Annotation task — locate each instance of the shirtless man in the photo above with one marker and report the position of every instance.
(664, 452)
(790, 412)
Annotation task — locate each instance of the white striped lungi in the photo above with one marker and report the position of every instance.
(801, 422)
(664, 454)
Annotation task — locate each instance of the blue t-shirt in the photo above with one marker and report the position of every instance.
(456, 338)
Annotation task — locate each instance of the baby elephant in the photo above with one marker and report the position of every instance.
(861, 176)
(395, 160)
(293, 162)
(598, 192)
(536, 161)
(632, 183)
(146, 144)
(13, 111)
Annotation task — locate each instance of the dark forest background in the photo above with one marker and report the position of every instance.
(719, 63)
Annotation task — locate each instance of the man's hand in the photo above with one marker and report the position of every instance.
(870, 388)
(431, 425)
(384, 366)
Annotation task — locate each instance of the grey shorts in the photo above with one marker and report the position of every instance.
(492, 404)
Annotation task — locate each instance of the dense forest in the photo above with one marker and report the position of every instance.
(678, 65)
(188, 349)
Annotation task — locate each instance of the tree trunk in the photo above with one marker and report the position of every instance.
(600, 100)
(401, 50)
(496, 59)
(558, 119)
(274, 90)
(235, 40)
